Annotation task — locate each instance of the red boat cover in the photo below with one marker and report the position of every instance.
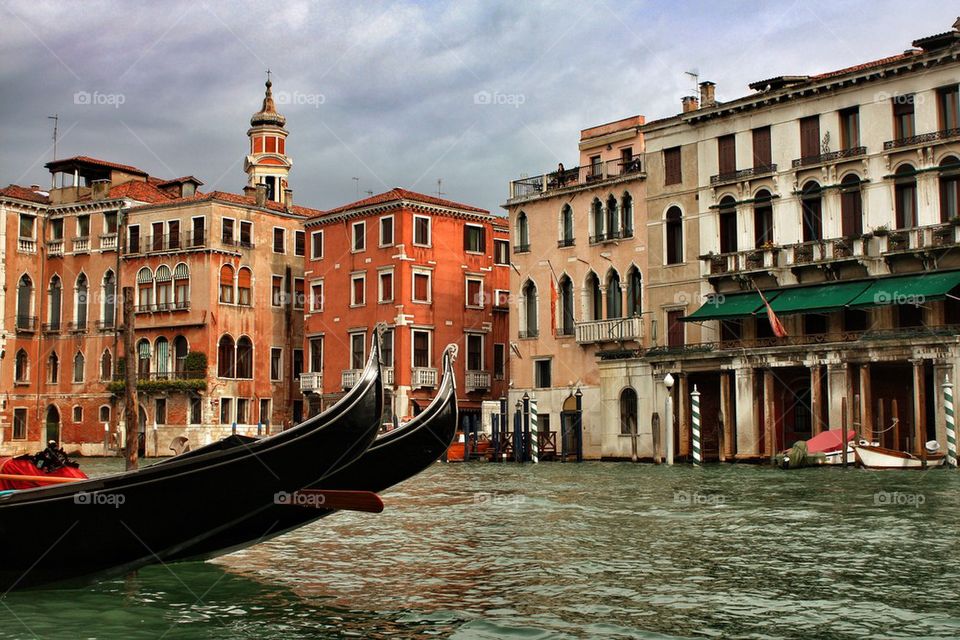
(828, 441)
(24, 467)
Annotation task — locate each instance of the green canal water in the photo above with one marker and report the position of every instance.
(595, 550)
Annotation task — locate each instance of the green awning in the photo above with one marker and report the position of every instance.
(908, 289)
(818, 298)
(721, 306)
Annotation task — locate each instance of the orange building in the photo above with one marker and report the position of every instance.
(435, 272)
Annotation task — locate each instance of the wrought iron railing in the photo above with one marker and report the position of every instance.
(923, 138)
(26, 323)
(830, 156)
(743, 174)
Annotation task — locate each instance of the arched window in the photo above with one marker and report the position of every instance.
(181, 286)
(530, 327)
(566, 306)
(949, 188)
(762, 219)
(614, 295)
(21, 367)
(728, 225)
(226, 284)
(180, 350)
(594, 297)
(55, 297)
(523, 233)
(674, 233)
(145, 289)
(83, 295)
(596, 219)
(164, 289)
(78, 363)
(244, 357)
(104, 414)
(109, 300)
(812, 205)
(244, 286)
(161, 357)
(628, 411)
(226, 357)
(851, 206)
(626, 207)
(143, 358)
(634, 292)
(25, 318)
(905, 196)
(53, 368)
(613, 218)
(566, 221)
(106, 365)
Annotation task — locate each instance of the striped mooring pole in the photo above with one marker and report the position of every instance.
(534, 440)
(951, 423)
(695, 421)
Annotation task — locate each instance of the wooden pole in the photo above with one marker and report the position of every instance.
(655, 434)
(895, 418)
(919, 413)
(130, 416)
(720, 439)
(769, 419)
(868, 427)
(881, 432)
(843, 419)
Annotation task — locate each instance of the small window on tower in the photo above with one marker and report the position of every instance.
(281, 146)
(271, 144)
(258, 144)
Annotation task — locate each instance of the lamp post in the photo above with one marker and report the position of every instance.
(668, 422)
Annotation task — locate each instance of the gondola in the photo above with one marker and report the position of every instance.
(394, 457)
(109, 525)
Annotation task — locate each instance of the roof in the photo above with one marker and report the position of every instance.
(54, 164)
(235, 198)
(865, 65)
(397, 194)
(23, 193)
(181, 179)
(142, 191)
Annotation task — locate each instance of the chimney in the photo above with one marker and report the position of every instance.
(261, 194)
(34, 187)
(249, 191)
(690, 103)
(99, 189)
(708, 95)
(288, 199)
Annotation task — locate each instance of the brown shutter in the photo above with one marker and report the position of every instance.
(727, 150)
(810, 136)
(761, 147)
(674, 329)
(671, 162)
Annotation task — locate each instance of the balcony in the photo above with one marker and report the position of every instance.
(77, 327)
(388, 376)
(106, 325)
(108, 242)
(26, 245)
(584, 176)
(743, 174)
(611, 236)
(162, 381)
(311, 382)
(349, 377)
(26, 324)
(612, 330)
(179, 305)
(51, 327)
(944, 135)
(55, 248)
(832, 249)
(761, 258)
(916, 239)
(423, 377)
(830, 157)
(477, 381)
(169, 242)
(81, 245)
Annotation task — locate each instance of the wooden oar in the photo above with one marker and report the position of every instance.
(51, 479)
(366, 501)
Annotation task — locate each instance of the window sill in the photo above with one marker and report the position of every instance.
(359, 305)
(422, 301)
(387, 246)
(385, 301)
(474, 307)
(423, 246)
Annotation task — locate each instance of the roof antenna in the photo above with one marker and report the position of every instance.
(356, 181)
(56, 122)
(695, 75)
(440, 192)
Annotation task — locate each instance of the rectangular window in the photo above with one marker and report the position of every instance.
(173, 234)
(421, 231)
(474, 238)
(279, 240)
(299, 294)
(316, 297)
(810, 136)
(727, 153)
(316, 245)
(226, 232)
(226, 410)
(297, 363)
(675, 336)
(20, 423)
(386, 231)
(156, 242)
(27, 226)
(276, 291)
(56, 229)
(109, 222)
(133, 238)
(474, 352)
(359, 235)
(850, 128)
(501, 252)
(246, 234)
(386, 348)
(386, 286)
(264, 416)
(501, 298)
(196, 408)
(421, 286)
(541, 374)
(499, 360)
(316, 355)
(358, 342)
(475, 293)
(199, 232)
(762, 156)
(948, 107)
(299, 243)
(671, 166)
(276, 363)
(83, 226)
(243, 410)
(358, 289)
(160, 411)
(421, 348)
(903, 117)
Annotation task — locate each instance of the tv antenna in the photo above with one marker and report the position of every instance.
(695, 76)
(56, 122)
(440, 191)
(356, 180)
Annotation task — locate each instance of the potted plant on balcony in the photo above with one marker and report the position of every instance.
(803, 253)
(718, 263)
(881, 231)
(755, 259)
(897, 241)
(842, 248)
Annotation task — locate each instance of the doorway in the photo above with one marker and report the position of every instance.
(52, 425)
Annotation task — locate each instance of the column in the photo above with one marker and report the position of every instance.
(836, 390)
(683, 413)
(726, 410)
(866, 404)
(919, 404)
(748, 429)
(769, 418)
(816, 399)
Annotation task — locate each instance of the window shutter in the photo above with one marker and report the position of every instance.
(761, 147)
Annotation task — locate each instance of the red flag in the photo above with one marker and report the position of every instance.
(775, 323)
(553, 305)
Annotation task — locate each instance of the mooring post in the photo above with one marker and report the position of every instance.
(695, 423)
(721, 440)
(518, 433)
(130, 414)
(526, 427)
(951, 423)
(668, 427)
(655, 436)
(534, 433)
(843, 422)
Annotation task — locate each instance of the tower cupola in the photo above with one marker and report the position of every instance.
(267, 161)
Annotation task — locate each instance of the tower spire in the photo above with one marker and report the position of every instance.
(267, 161)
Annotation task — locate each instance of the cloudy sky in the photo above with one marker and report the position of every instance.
(388, 91)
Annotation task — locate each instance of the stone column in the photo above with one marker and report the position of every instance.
(770, 420)
(866, 404)
(816, 399)
(919, 403)
(729, 420)
(748, 430)
(683, 415)
(837, 388)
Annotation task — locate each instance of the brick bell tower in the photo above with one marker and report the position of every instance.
(267, 162)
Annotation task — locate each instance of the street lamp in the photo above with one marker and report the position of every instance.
(668, 423)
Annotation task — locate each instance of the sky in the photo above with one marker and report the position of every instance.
(396, 94)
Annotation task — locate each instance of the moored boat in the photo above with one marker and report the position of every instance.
(872, 457)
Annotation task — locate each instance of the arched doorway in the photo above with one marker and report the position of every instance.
(52, 424)
(142, 432)
(570, 430)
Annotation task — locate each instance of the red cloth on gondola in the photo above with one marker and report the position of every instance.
(25, 467)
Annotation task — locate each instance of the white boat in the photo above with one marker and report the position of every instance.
(871, 457)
